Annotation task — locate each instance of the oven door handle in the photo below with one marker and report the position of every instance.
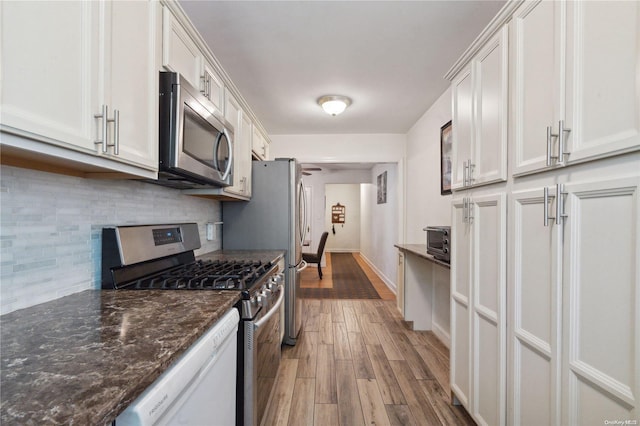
(272, 311)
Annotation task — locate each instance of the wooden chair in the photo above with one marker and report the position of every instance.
(317, 257)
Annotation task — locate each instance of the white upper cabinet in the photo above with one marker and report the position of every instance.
(259, 145)
(212, 87)
(131, 81)
(480, 111)
(181, 54)
(489, 162)
(49, 73)
(574, 82)
(73, 78)
(462, 128)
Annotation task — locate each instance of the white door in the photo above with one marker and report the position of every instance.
(535, 300)
(601, 345)
(604, 92)
(488, 292)
(462, 127)
(233, 114)
(537, 54)
(52, 89)
(179, 52)
(490, 142)
(244, 152)
(460, 358)
(132, 81)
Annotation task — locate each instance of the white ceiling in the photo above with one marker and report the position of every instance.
(388, 56)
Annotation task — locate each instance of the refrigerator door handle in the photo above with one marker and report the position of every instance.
(303, 267)
(303, 219)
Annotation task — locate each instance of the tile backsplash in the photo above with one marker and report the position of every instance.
(50, 229)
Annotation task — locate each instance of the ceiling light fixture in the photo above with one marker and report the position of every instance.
(334, 104)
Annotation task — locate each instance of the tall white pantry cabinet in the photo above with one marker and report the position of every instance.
(545, 285)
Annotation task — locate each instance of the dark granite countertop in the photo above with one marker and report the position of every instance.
(421, 251)
(84, 358)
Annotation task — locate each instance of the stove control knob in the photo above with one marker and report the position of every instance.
(261, 298)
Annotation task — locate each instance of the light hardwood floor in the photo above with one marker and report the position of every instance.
(357, 362)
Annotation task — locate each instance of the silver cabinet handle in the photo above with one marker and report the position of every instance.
(546, 206)
(548, 147)
(209, 86)
(465, 213)
(470, 212)
(560, 215)
(116, 131)
(470, 169)
(244, 184)
(561, 142)
(465, 171)
(103, 116)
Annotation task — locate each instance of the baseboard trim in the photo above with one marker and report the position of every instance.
(441, 334)
(385, 280)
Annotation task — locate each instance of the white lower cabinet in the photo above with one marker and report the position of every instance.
(574, 303)
(478, 305)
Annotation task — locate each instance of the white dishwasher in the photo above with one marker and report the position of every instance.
(199, 389)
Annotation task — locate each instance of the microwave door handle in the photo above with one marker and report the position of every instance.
(230, 150)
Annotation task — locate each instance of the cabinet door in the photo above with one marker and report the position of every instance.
(212, 87)
(603, 64)
(233, 116)
(490, 143)
(534, 311)
(601, 345)
(246, 135)
(462, 127)
(179, 52)
(460, 358)
(51, 90)
(259, 144)
(132, 80)
(537, 56)
(488, 295)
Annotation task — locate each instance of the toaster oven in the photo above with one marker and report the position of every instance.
(438, 242)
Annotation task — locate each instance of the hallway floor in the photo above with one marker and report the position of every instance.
(358, 363)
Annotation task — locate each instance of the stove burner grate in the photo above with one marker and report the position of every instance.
(206, 275)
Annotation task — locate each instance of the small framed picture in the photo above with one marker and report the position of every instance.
(445, 159)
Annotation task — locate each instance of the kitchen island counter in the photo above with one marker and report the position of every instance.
(83, 358)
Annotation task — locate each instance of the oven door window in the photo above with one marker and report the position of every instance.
(200, 139)
(435, 240)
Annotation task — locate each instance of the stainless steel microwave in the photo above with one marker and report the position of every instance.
(196, 145)
(438, 242)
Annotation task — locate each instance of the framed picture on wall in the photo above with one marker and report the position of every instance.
(445, 159)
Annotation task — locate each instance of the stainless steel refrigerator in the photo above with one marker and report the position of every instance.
(273, 219)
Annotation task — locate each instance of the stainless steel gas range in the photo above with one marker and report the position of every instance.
(161, 257)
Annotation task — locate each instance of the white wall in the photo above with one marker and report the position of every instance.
(317, 181)
(424, 204)
(343, 237)
(379, 231)
(356, 148)
(50, 229)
